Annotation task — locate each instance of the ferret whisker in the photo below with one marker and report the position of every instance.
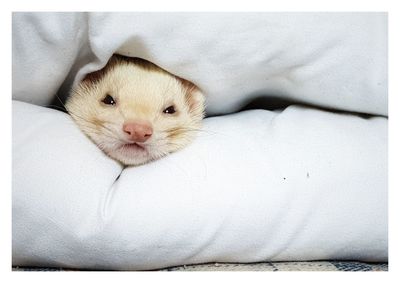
(89, 123)
(59, 99)
(107, 128)
(206, 131)
(52, 106)
(122, 114)
(102, 118)
(107, 133)
(74, 115)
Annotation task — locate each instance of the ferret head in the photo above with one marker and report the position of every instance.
(135, 111)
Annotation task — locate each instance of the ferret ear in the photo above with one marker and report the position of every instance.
(96, 76)
(194, 97)
(195, 100)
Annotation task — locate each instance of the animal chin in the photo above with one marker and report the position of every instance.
(131, 153)
(133, 148)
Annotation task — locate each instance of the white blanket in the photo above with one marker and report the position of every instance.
(301, 184)
(258, 185)
(333, 60)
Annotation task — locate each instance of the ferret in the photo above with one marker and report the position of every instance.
(135, 111)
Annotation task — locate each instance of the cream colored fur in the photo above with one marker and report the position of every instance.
(140, 94)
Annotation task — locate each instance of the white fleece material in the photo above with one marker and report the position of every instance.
(332, 60)
(301, 184)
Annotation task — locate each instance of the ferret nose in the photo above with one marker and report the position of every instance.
(138, 131)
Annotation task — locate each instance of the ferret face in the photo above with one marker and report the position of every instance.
(135, 111)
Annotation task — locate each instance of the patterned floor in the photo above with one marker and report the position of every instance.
(261, 266)
(286, 266)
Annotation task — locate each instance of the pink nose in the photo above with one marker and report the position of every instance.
(138, 131)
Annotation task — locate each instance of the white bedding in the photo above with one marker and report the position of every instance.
(334, 60)
(298, 185)
(301, 184)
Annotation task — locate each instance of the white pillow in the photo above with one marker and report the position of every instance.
(333, 60)
(302, 184)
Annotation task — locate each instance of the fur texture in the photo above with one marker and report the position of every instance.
(141, 91)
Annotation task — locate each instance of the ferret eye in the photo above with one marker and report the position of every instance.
(169, 110)
(109, 100)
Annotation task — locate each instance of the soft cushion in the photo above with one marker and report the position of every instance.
(332, 60)
(301, 184)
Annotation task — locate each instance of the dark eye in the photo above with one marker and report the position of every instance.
(169, 110)
(109, 100)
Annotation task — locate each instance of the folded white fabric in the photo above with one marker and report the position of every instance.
(333, 60)
(301, 184)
